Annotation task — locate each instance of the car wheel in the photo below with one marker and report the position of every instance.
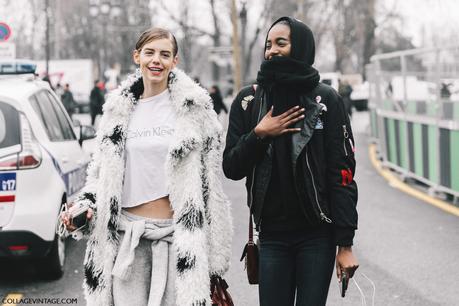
(52, 266)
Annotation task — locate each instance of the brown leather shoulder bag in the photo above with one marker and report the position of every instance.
(250, 253)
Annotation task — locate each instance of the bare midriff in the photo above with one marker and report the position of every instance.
(157, 209)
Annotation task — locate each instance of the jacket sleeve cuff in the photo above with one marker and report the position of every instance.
(344, 236)
(253, 139)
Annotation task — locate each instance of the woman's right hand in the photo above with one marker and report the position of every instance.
(65, 217)
(271, 126)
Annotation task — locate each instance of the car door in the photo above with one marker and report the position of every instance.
(10, 145)
(68, 157)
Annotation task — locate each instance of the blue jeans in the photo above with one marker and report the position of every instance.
(297, 262)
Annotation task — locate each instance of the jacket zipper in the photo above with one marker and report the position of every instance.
(253, 172)
(298, 193)
(346, 136)
(322, 214)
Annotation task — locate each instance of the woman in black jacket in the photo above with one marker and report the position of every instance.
(292, 140)
(217, 100)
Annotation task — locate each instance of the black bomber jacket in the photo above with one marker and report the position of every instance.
(322, 158)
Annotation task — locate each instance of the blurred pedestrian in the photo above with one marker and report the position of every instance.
(217, 100)
(68, 101)
(389, 91)
(445, 92)
(48, 80)
(292, 140)
(96, 100)
(162, 223)
(59, 90)
(345, 90)
(101, 86)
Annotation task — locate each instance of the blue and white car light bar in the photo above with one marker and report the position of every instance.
(17, 67)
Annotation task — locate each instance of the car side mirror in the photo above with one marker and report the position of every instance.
(86, 132)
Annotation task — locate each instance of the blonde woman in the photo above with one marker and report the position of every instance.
(160, 224)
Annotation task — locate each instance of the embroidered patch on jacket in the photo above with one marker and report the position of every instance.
(245, 102)
(324, 107)
(346, 175)
(319, 125)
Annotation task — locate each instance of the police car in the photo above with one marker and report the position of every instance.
(42, 166)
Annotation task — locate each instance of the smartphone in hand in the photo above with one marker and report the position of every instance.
(344, 283)
(77, 215)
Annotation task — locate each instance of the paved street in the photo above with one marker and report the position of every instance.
(409, 249)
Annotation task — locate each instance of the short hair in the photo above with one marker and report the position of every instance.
(153, 34)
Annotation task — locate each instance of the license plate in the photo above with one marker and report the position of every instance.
(7, 181)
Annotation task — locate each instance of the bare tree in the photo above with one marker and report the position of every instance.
(126, 30)
(37, 16)
(369, 24)
(261, 26)
(188, 30)
(186, 42)
(104, 38)
(236, 50)
(344, 34)
(317, 14)
(218, 33)
(216, 37)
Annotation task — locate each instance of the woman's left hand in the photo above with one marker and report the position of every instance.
(346, 261)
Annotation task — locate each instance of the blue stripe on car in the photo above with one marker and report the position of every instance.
(73, 180)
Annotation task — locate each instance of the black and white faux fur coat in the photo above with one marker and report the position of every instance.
(202, 216)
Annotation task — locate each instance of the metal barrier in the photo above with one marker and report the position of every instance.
(414, 114)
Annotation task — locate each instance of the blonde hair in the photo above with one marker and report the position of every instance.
(156, 33)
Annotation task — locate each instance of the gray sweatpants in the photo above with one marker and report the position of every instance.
(144, 269)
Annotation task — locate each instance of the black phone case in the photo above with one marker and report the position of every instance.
(344, 282)
(80, 220)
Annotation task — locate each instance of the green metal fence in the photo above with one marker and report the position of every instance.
(414, 114)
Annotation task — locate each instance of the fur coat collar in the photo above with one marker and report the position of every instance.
(202, 216)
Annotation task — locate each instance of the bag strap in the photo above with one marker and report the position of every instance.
(250, 229)
(256, 94)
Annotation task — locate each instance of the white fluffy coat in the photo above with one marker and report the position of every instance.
(202, 216)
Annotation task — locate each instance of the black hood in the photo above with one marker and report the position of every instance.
(303, 47)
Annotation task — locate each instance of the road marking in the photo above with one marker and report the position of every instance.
(394, 181)
(14, 296)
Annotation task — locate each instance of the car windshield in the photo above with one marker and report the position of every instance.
(10, 128)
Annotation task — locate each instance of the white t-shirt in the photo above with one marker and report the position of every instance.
(150, 130)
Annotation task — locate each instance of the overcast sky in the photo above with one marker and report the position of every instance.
(435, 15)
